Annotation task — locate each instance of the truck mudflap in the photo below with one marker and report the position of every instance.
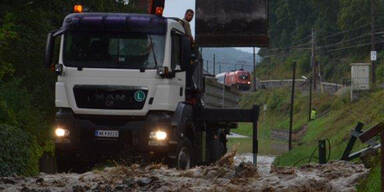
(182, 116)
(205, 129)
(226, 116)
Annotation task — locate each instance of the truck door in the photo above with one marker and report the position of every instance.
(176, 59)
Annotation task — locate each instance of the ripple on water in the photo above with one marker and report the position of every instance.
(264, 163)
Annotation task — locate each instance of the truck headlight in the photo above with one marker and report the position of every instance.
(158, 135)
(60, 132)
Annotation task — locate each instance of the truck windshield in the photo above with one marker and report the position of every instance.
(113, 50)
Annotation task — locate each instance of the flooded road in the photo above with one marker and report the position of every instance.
(232, 173)
(264, 163)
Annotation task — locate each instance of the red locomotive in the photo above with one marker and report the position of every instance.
(240, 79)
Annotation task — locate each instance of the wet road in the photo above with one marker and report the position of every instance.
(231, 173)
(264, 163)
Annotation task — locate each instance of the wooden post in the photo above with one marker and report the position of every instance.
(382, 160)
(352, 141)
(292, 104)
(214, 64)
(314, 75)
(373, 40)
(255, 146)
(254, 69)
(310, 100)
(322, 152)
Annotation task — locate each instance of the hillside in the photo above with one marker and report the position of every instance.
(341, 35)
(337, 116)
(228, 59)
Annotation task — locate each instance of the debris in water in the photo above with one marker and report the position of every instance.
(225, 175)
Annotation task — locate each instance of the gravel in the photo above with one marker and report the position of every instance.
(231, 173)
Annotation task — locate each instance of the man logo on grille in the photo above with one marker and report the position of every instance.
(139, 96)
(109, 101)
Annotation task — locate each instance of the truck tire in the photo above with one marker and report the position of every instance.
(63, 161)
(47, 163)
(184, 158)
(68, 162)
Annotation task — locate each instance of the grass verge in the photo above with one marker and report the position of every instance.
(338, 117)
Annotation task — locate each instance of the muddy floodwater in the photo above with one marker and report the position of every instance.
(232, 173)
(264, 163)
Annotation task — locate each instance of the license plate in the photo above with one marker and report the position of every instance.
(106, 133)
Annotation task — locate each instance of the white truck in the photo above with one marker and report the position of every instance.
(129, 85)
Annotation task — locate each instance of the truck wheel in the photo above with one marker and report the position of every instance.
(184, 158)
(68, 162)
(63, 162)
(47, 163)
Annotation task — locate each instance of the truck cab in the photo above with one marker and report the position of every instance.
(120, 71)
(121, 89)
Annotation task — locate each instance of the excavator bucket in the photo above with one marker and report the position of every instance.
(229, 23)
(148, 6)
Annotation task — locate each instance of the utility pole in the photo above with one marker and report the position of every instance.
(254, 69)
(223, 96)
(292, 104)
(202, 59)
(207, 67)
(314, 65)
(220, 68)
(214, 64)
(310, 99)
(373, 41)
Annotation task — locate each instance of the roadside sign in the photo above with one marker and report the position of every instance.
(360, 76)
(373, 55)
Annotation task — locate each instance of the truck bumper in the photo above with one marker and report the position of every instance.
(133, 138)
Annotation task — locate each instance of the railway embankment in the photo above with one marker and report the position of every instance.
(337, 117)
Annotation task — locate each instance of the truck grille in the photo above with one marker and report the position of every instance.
(110, 97)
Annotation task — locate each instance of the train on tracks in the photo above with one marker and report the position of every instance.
(240, 79)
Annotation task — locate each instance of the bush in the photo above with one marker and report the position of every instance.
(24, 131)
(27, 116)
(20, 152)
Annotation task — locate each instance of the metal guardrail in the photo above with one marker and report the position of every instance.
(300, 83)
(219, 96)
(366, 137)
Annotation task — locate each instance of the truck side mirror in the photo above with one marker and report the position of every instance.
(49, 50)
(186, 53)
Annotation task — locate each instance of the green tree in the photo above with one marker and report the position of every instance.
(26, 86)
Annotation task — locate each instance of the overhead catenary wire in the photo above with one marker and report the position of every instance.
(342, 32)
(349, 40)
(323, 37)
(359, 45)
(327, 45)
(327, 36)
(336, 46)
(343, 41)
(227, 63)
(297, 46)
(307, 38)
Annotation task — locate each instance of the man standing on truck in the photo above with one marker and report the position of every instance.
(188, 18)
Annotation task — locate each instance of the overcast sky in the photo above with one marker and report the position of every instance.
(177, 8)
